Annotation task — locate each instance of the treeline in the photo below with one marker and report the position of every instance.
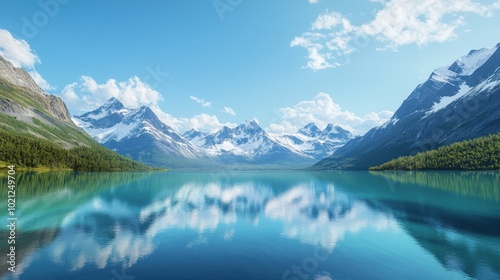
(476, 154)
(24, 151)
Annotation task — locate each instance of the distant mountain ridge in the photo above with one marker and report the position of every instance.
(247, 143)
(458, 102)
(318, 143)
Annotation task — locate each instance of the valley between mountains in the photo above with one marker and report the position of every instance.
(456, 103)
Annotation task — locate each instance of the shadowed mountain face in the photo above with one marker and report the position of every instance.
(458, 102)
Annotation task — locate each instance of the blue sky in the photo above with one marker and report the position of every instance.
(203, 64)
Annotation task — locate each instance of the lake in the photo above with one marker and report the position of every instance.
(255, 225)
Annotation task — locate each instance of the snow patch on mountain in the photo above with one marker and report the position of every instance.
(447, 100)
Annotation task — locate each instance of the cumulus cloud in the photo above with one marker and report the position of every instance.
(19, 53)
(330, 20)
(332, 37)
(201, 122)
(313, 1)
(312, 42)
(229, 110)
(40, 81)
(200, 101)
(322, 110)
(88, 94)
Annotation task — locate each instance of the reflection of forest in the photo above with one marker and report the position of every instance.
(44, 198)
(482, 184)
(30, 183)
(318, 208)
(453, 215)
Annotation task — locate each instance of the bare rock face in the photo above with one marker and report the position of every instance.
(18, 76)
(52, 104)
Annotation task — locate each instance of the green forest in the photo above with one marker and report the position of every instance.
(477, 154)
(23, 151)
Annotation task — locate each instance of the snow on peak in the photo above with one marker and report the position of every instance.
(464, 65)
(251, 123)
(310, 130)
(248, 127)
(112, 103)
(475, 59)
(331, 129)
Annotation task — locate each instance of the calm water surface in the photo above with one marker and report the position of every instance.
(255, 225)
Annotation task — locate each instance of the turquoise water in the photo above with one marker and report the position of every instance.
(256, 225)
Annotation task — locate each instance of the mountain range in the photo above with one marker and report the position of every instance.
(457, 102)
(139, 134)
(249, 142)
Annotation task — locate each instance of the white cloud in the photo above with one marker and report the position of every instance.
(310, 41)
(396, 23)
(201, 101)
(20, 54)
(88, 94)
(329, 20)
(313, 1)
(202, 122)
(403, 22)
(229, 110)
(322, 110)
(41, 82)
(17, 52)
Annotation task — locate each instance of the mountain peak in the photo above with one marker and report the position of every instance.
(249, 125)
(438, 112)
(112, 103)
(335, 132)
(310, 130)
(331, 128)
(464, 65)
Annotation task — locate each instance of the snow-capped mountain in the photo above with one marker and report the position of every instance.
(457, 102)
(247, 143)
(139, 134)
(317, 143)
(310, 130)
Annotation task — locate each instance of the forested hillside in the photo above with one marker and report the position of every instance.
(477, 154)
(23, 151)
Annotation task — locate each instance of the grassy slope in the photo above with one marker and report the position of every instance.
(39, 143)
(477, 154)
